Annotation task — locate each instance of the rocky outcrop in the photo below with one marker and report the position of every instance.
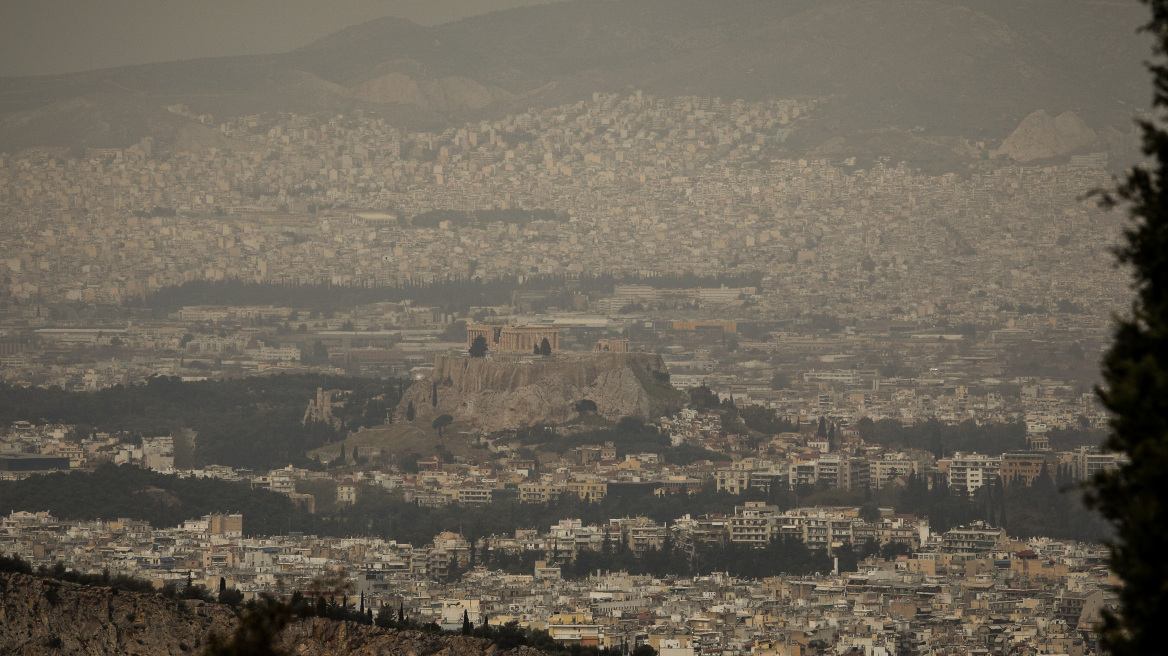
(39, 616)
(1040, 136)
(507, 392)
(446, 94)
(44, 616)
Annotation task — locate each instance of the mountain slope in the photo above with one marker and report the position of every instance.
(949, 67)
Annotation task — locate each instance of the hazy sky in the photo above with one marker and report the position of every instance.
(58, 36)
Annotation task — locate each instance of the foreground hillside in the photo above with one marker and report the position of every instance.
(973, 69)
(43, 616)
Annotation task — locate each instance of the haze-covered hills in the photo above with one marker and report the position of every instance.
(957, 68)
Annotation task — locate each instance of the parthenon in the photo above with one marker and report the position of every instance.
(508, 337)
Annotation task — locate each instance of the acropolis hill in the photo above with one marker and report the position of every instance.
(511, 390)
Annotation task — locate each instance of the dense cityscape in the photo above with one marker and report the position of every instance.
(692, 375)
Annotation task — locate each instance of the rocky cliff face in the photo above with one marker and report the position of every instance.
(508, 393)
(41, 616)
(1042, 136)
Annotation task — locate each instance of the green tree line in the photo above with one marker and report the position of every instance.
(112, 492)
(244, 422)
(1037, 510)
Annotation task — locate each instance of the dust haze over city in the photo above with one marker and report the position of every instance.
(732, 327)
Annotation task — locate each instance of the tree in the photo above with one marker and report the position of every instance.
(319, 352)
(535, 350)
(410, 412)
(703, 397)
(453, 571)
(870, 512)
(441, 422)
(80, 432)
(1134, 497)
(229, 596)
(467, 627)
(478, 347)
(545, 347)
(257, 633)
(385, 616)
(644, 649)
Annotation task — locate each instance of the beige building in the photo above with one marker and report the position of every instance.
(229, 525)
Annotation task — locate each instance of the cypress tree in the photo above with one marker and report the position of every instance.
(1134, 497)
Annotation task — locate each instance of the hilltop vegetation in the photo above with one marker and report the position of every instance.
(112, 492)
(433, 218)
(245, 422)
(453, 294)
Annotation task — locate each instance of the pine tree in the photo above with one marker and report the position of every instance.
(478, 347)
(410, 412)
(467, 627)
(545, 347)
(1134, 497)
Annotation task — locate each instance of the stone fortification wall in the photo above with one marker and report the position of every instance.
(470, 375)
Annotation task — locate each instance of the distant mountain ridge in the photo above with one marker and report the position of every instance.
(965, 68)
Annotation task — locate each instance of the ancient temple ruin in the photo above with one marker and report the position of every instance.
(513, 338)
